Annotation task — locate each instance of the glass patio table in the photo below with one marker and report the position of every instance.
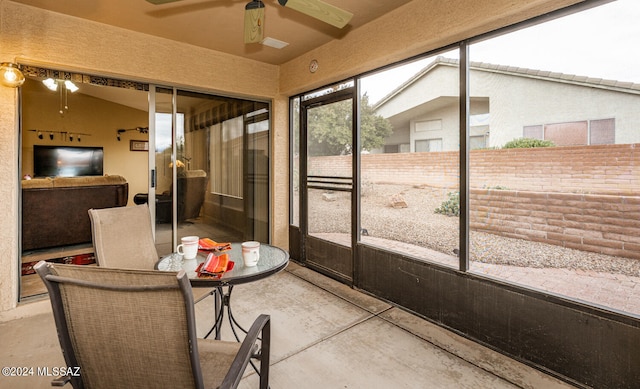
(272, 260)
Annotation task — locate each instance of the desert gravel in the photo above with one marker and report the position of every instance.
(419, 225)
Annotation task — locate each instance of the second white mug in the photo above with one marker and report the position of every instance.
(250, 253)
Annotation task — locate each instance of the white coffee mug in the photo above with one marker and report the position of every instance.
(189, 247)
(250, 253)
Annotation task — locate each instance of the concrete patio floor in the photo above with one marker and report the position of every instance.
(324, 335)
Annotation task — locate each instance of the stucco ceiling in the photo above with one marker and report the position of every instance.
(218, 24)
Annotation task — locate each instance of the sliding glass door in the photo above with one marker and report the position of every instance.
(211, 167)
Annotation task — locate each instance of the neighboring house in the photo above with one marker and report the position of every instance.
(508, 103)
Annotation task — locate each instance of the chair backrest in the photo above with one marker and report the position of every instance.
(123, 237)
(124, 328)
(192, 187)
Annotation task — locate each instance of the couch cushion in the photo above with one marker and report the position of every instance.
(195, 173)
(38, 183)
(65, 182)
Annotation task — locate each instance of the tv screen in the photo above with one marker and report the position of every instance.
(67, 161)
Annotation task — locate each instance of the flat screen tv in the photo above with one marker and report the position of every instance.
(67, 161)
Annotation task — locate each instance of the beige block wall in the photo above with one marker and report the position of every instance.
(602, 169)
(37, 37)
(596, 223)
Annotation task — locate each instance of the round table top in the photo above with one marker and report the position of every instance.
(272, 260)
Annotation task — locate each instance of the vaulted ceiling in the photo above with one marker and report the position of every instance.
(219, 24)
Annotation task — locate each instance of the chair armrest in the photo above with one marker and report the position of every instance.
(259, 331)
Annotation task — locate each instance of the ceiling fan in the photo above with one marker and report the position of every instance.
(254, 15)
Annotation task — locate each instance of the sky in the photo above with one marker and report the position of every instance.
(601, 42)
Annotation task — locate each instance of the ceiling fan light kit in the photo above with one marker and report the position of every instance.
(254, 15)
(254, 22)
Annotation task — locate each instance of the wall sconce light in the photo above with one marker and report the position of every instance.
(142, 130)
(51, 135)
(10, 75)
(40, 136)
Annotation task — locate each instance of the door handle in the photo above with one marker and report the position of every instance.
(153, 178)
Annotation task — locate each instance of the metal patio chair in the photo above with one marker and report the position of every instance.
(123, 238)
(124, 328)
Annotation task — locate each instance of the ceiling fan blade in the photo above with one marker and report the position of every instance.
(158, 2)
(320, 10)
(253, 22)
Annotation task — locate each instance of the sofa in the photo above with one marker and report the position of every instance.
(55, 210)
(192, 187)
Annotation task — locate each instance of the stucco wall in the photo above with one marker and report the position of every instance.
(8, 199)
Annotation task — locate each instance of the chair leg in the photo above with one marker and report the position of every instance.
(265, 352)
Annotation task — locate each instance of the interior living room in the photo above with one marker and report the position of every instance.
(89, 148)
(530, 254)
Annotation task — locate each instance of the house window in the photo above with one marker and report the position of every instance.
(391, 149)
(424, 145)
(593, 132)
(478, 142)
(602, 132)
(567, 134)
(534, 132)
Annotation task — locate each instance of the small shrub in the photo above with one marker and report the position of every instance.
(451, 206)
(525, 143)
(366, 188)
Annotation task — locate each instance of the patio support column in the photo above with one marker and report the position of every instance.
(464, 157)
